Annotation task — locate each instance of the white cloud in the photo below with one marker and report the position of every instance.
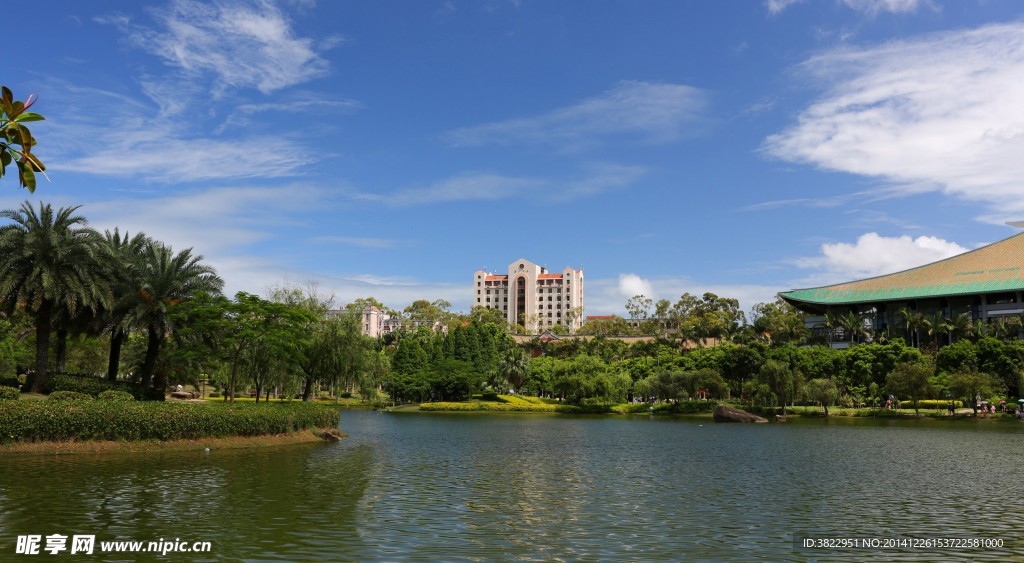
(120, 136)
(875, 255)
(480, 186)
(941, 111)
(874, 7)
(632, 284)
(870, 7)
(777, 6)
(652, 112)
(236, 43)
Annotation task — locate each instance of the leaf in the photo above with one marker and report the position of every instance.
(28, 116)
(37, 165)
(5, 158)
(8, 96)
(27, 177)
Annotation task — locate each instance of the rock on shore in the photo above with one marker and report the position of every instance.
(724, 413)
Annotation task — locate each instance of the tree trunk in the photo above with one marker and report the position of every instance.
(308, 390)
(152, 351)
(114, 358)
(61, 350)
(42, 346)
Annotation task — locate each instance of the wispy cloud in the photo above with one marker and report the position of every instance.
(652, 112)
(229, 44)
(778, 6)
(869, 7)
(480, 186)
(941, 111)
(242, 115)
(874, 255)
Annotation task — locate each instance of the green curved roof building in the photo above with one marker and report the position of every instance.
(987, 283)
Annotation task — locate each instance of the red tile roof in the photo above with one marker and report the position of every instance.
(496, 278)
(549, 277)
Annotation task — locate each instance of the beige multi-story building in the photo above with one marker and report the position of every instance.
(532, 297)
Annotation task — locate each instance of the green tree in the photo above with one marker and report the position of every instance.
(639, 307)
(16, 141)
(779, 322)
(515, 366)
(430, 311)
(972, 385)
(784, 382)
(50, 262)
(166, 279)
(822, 391)
(911, 380)
(123, 268)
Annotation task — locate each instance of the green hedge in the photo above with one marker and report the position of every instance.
(95, 385)
(9, 393)
(931, 404)
(37, 421)
(114, 395)
(69, 396)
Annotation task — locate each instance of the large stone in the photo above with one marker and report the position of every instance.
(184, 395)
(724, 413)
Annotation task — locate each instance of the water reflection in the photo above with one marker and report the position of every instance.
(539, 488)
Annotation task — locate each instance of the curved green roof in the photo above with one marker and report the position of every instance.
(994, 268)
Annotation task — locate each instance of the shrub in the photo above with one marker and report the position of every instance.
(32, 421)
(114, 395)
(94, 386)
(69, 396)
(10, 382)
(345, 395)
(931, 404)
(9, 393)
(213, 394)
(489, 396)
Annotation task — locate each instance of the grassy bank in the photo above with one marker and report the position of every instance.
(123, 446)
(521, 404)
(64, 421)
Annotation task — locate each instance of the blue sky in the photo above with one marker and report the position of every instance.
(390, 149)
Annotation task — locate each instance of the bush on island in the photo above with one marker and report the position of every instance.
(35, 421)
(69, 396)
(114, 395)
(94, 386)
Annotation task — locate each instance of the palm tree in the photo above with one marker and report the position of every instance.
(935, 325)
(912, 322)
(49, 262)
(960, 326)
(853, 324)
(124, 267)
(831, 322)
(166, 279)
(515, 366)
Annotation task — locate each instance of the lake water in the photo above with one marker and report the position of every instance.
(535, 487)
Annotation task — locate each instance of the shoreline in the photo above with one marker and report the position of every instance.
(307, 436)
(801, 413)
